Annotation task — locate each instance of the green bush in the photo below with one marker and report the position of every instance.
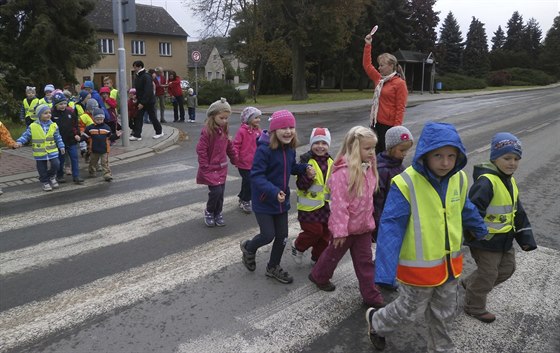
(499, 78)
(453, 81)
(529, 77)
(210, 92)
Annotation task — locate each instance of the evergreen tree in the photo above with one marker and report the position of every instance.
(423, 20)
(515, 33)
(450, 45)
(475, 58)
(551, 49)
(532, 37)
(499, 39)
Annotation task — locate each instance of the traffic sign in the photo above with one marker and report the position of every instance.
(196, 56)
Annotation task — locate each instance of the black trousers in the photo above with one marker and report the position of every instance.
(139, 120)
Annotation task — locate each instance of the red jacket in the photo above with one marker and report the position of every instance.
(160, 82)
(174, 87)
(213, 152)
(392, 102)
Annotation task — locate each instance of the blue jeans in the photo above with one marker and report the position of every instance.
(46, 173)
(73, 152)
(272, 227)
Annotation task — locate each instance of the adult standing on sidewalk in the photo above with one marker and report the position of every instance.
(146, 102)
(390, 95)
(161, 87)
(176, 92)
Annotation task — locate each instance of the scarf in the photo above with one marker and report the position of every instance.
(376, 95)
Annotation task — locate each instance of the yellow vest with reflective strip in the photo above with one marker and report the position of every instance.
(500, 213)
(423, 260)
(315, 197)
(30, 107)
(42, 143)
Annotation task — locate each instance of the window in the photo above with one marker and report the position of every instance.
(164, 49)
(210, 76)
(138, 47)
(106, 46)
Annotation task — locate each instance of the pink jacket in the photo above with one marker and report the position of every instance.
(213, 152)
(245, 145)
(350, 214)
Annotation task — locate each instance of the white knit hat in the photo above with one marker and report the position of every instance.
(218, 106)
(320, 134)
(397, 135)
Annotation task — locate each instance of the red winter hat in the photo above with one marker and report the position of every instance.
(320, 134)
(105, 89)
(281, 120)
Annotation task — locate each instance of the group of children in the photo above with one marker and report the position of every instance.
(417, 216)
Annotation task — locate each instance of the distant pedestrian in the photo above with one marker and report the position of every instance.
(213, 149)
(390, 95)
(132, 107)
(275, 160)
(313, 198)
(192, 102)
(496, 196)
(27, 112)
(146, 102)
(161, 90)
(90, 87)
(176, 92)
(352, 185)
(47, 98)
(245, 145)
(420, 236)
(46, 142)
(99, 137)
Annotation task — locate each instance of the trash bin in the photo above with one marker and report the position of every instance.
(439, 85)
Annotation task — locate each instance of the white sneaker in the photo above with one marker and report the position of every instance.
(53, 183)
(47, 187)
(156, 136)
(134, 138)
(296, 254)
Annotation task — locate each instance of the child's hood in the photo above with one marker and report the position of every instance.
(434, 136)
(487, 168)
(264, 139)
(340, 164)
(386, 161)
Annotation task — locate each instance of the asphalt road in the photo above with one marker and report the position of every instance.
(130, 267)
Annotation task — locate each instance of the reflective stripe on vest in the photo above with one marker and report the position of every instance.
(423, 256)
(500, 213)
(42, 143)
(30, 108)
(315, 197)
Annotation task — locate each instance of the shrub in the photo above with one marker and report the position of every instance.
(499, 78)
(210, 92)
(453, 81)
(517, 76)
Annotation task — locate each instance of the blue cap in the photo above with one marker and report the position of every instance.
(504, 142)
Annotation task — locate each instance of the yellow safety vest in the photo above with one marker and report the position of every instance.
(42, 143)
(500, 213)
(315, 197)
(423, 260)
(30, 108)
(44, 101)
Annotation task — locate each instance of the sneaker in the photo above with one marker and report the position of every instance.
(246, 206)
(163, 121)
(108, 177)
(156, 136)
(67, 170)
(296, 254)
(78, 180)
(377, 341)
(209, 219)
(279, 274)
(484, 317)
(219, 220)
(327, 287)
(47, 187)
(134, 138)
(61, 180)
(247, 257)
(54, 183)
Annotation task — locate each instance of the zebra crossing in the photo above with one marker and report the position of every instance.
(89, 316)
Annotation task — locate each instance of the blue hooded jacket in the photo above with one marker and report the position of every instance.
(396, 212)
(271, 173)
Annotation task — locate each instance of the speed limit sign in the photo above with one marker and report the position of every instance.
(195, 56)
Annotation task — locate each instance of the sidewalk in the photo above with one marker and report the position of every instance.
(18, 166)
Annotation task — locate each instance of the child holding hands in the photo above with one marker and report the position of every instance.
(245, 145)
(496, 196)
(213, 149)
(275, 160)
(352, 183)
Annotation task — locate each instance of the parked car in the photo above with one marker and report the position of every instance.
(185, 84)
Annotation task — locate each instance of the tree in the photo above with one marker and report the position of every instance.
(515, 33)
(532, 37)
(551, 49)
(475, 58)
(44, 42)
(499, 39)
(423, 20)
(450, 45)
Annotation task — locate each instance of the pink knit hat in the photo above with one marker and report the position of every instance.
(281, 120)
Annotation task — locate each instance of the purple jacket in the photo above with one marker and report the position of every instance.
(245, 145)
(213, 152)
(387, 167)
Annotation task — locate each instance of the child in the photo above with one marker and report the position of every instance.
(245, 145)
(132, 107)
(99, 140)
(6, 139)
(314, 198)
(213, 148)
(420, 236)
(398, 141)
(45, 139)
(191, 105)
(47, 98)
(28, 105)
(67, 123)
(275, 160)
(111, 106)
(495, 194)
(352, 184)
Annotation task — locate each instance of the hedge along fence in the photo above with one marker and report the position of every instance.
(452, 82)
(210, 92)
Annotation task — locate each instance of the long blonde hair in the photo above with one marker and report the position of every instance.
(350, 150)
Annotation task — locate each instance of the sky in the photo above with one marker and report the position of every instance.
(492, 13)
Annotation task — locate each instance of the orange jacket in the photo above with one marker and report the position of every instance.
(392, 102)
